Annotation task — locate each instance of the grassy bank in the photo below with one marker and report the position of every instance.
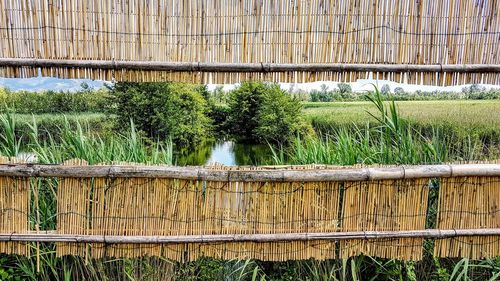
(460, 113)
(50, 125)
(458, 121)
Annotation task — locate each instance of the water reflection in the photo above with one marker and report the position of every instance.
(222, 153)
(227, 153)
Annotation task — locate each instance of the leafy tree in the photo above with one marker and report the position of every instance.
(399, 91)
(163, 110)
(260, 112)
(385, 90)
(244, 103)
(278, 117)
(344, 88)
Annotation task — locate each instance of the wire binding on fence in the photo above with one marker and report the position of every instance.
(388, 32)
(377, 211)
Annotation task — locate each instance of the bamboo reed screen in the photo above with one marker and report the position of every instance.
(382, 206)
(117, 206)
(297, 31)
(73, 201)
(140, 206)
(14, 209)
(469, 202)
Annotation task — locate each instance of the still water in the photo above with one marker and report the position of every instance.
(222, 152)
(227, 153)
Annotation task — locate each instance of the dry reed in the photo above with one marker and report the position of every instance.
(388, 205)
(382, 31)
(14, 208)
(469, 202)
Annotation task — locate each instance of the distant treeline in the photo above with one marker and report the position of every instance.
(100, 100)
(25, 102)
(343, 92)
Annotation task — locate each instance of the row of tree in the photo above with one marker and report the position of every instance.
(254, 112)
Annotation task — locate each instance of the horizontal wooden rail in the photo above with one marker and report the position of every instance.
(245, 67)
(270, 175)
(279, 237)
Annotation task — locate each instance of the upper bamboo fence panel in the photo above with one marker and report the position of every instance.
(297, 32)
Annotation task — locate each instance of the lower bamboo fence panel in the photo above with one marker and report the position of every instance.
(176, 207)
(469, 202)
(270, 213)
(385, 205)
(14, 208)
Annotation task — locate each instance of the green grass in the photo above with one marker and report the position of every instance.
(459, 121)
(393, 140)
(461, 113)
(51, 124)
(47, 117)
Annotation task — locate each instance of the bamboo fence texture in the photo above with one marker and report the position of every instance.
(130, 210)
(466, 202)
(382, 206)
(14, 209)
(296, 32)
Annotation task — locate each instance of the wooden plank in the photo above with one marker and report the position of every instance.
(245, 67)
(274, 175)
(332, 236)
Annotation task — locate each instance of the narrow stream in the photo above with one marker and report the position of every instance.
(223, 152)
(227, 153)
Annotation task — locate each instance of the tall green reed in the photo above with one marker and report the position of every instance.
(80, 143)
(393, 141)
(10, 144)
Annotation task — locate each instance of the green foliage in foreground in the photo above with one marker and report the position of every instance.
(207, 269)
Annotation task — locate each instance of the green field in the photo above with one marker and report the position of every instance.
(458, 120)
(460, 113)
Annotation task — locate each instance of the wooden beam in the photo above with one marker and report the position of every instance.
(282, 237)
(269, 175)
(246, 67)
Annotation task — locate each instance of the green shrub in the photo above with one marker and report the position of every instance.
(163, 110)
(278, 117)
(260, 112)
(344, 88)
(219, 114)
(399, 91)
(244, 103)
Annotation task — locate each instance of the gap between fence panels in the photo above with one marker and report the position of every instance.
(246, 67)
